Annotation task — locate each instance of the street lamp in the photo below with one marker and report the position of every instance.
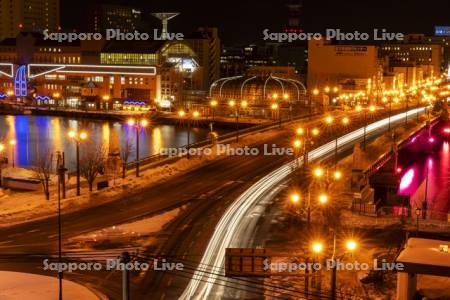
(418, 213)
(276, 108)
(297, 144)
(323, 198)
(317, 247)
(78, 138)
(195, 115)
(13, 149)
(138, 125)
(232, 104)
(295, 198)
(213, 104)
(2, 148)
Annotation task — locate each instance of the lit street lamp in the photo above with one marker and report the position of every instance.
(276, 108)
(13, 153)
(195, 115)
(237, 107)
(78, 138)
(2, 159)
(138, 125)
(213, 104)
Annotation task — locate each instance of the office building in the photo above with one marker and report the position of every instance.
(28, 16)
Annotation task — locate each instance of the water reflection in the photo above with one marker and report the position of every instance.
(40, 134)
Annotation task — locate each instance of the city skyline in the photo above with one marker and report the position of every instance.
(243, 22)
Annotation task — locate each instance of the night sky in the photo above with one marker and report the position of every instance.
(242, 21)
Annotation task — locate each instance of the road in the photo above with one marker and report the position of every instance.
(235, 227)
(211, 190)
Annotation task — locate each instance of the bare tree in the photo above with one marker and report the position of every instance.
(43, 169)
(125, 152)
(92, 163)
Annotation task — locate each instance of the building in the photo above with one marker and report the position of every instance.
(332, 64)
(43, 72)
(28, 15)
(108, 16)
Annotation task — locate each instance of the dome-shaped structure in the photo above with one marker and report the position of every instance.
(258, 91)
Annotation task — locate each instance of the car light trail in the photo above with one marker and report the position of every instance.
(232, 224)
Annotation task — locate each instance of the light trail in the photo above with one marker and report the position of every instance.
(232, 224)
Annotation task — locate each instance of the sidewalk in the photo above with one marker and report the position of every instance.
(19, 286)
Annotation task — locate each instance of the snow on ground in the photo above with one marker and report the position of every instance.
(139, 228)
(20, 286)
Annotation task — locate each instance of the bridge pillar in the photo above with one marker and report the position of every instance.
(406, 286)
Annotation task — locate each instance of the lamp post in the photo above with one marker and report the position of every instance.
(308, 136)
(138, 125)
(2, 148)
(195, 115)
(286, 97)
(237, 107)
(61, 171)
(276, 109)
(78, 138)
(106, 102)
(13, 152)
(418, 213)
(213, 104)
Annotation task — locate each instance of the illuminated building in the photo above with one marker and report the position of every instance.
(28, 15)
(260, 90)
(331, 64)
(108, 16)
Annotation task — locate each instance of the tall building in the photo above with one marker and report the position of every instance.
(295, 8)
(109, 16)
(28, 15)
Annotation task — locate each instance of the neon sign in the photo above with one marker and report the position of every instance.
(20, 82)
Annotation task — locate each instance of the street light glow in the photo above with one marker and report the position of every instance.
(323, 198)
(83, 135)
(300, 131)
(329, 120)
(337, 175)
(231, 103)
(317, 247)
(351, 245)
(244, 103)
(295, 198)
(181, 113)
(318, 172)
(297, 143)
(144, 123)
(315, 131)
(196, 114)
(131, 122)
(213, 103)
(2, 147)
(345, 120)
(274, 106)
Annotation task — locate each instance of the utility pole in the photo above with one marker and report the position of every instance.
(125, 258)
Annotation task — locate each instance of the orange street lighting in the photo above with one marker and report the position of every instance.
(2, 147)
(286, 96)
(358, 107)
(56, 95)
(213, 103)
(315, 131)
(131, 122)
(196, 114)
(327, 89)
(10, 93)
(317, 247)
(295, 198)
(300, 131)
(274, 106)
(106, 97)
(318, 172)
(181, 113)
(77, 138)
(244, 103)
(345, 121)
(329, 120)
(335, 89)
(275, 96)
(144, 123)
(351, 245)
(297, 143)
(337, 175)
(323, 198)
(372, 108)
(12, 142)
(231, 103)
(315, 92)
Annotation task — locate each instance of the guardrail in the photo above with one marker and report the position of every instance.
(383, 159)
(161, 158)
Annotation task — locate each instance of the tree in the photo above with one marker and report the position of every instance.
(125, 152)
(92, 163)
(43, 169)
